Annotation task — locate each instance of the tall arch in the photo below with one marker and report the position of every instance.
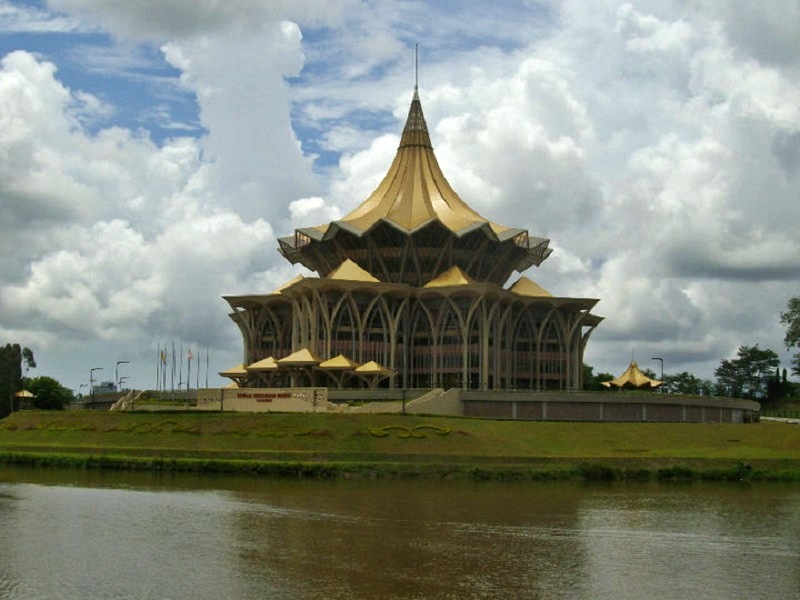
(272, 332)
(474, 366)
(421, 348)
(376, 343)
(524, 361)
(344, 330)
(552, 352)
(450, 348)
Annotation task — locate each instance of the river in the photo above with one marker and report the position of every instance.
(109, 535)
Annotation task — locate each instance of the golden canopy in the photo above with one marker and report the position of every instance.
(633, 378)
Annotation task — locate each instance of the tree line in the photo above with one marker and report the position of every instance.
(15, 363)
(753, 373)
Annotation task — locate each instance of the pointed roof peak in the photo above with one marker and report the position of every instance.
(301, 358)
(415, 132)
(525, 287)
(452, 276)
(288, 284)
(351, 271)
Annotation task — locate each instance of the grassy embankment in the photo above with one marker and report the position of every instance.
(328, 445)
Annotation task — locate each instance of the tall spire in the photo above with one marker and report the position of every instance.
(415, 133)
(416, 68)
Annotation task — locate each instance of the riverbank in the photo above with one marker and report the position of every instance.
(380, 445)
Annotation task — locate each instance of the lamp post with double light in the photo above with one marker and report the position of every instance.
(116, 372)
(91, 381)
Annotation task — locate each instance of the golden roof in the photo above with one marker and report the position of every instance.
(372, 368)
(265, 364)
(289, 283)
(525, 287)
(453, 276)
(633, 377)
(237, 371)
(350, 271)
(338, 363)
(414, 193)
(301, 358)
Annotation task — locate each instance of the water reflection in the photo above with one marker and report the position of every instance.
(140, 535)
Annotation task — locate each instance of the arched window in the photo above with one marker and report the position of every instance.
(376, 336)
(450, 350)
(269, 340)
(523, 354)
(474, 352)
(344, 333)
(421, 349)
(552, 357)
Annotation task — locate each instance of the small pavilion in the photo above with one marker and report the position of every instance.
(633, 378)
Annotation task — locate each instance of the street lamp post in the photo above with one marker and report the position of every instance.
(661, 360)
(91, 380)
(121, 379)
(116, 371)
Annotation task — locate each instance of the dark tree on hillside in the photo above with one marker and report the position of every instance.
(592, 381)
(747, 375)
(12, 359)
(48, 393)
(683, 383)
(791, 318)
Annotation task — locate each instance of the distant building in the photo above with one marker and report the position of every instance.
(104, 387)
(414, 279)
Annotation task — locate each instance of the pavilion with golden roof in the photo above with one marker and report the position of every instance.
(413, 287)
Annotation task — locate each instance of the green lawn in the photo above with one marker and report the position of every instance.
(397, 439)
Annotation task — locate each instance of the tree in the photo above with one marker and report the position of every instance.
(791, 318)
(706, 387)
(12, 359)
(592, 381)
(683, 383)
(48, 393)
(746, 376)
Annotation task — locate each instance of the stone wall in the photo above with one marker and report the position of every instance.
(607, 406)
(265, 400)
(532, 406)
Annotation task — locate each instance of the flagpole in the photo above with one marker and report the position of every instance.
(164, 369)
(158, 365)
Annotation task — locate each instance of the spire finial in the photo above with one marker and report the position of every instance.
(416, 67)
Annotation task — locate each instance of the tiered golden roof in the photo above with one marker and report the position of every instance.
(414, 195)
(416, 192)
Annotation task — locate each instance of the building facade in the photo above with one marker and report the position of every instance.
(415, 280)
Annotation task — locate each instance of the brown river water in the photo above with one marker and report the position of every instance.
(106, 535)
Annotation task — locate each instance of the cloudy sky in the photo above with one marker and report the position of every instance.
(151, 152)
